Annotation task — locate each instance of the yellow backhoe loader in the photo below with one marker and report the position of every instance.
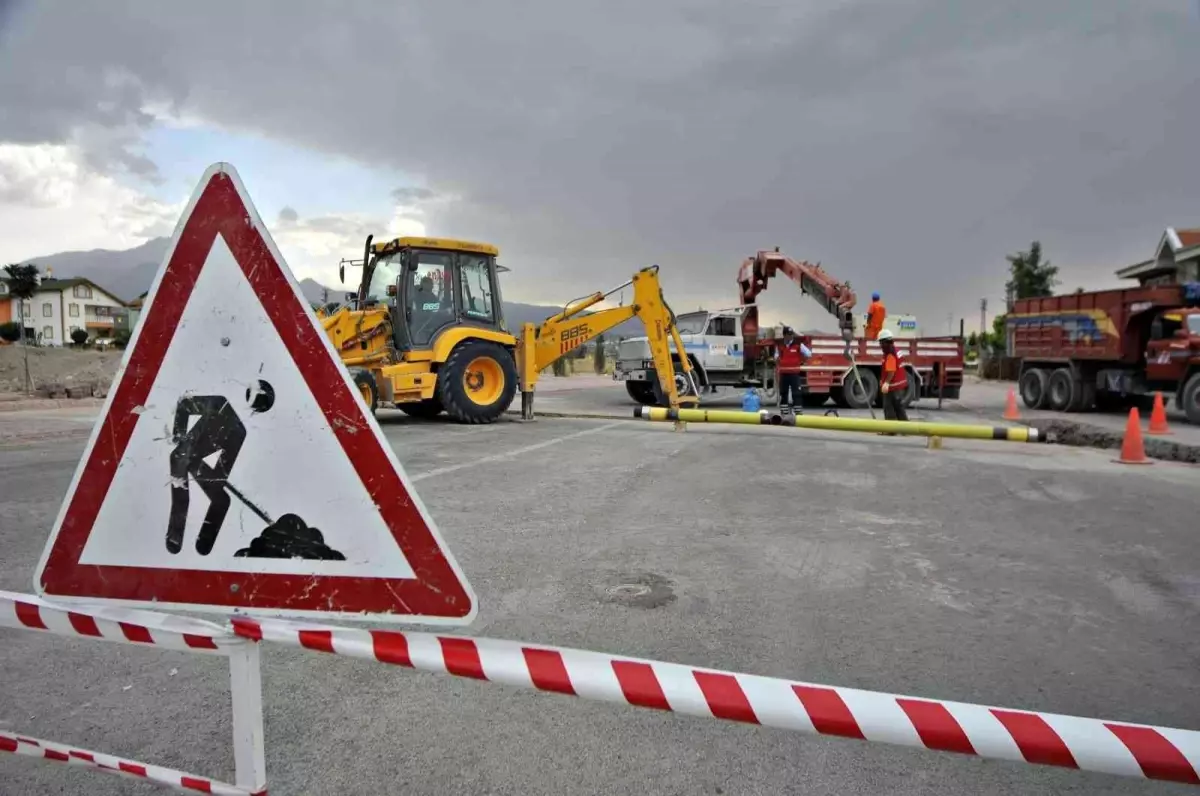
(426, 333)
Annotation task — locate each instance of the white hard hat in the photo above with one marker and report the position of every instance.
(884, 334)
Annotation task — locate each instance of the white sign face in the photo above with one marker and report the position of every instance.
(218, 460)
(234, 466)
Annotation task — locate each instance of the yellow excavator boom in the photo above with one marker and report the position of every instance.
(539, 346)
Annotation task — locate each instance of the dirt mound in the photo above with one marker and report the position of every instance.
(1083, 435)
(60, 369)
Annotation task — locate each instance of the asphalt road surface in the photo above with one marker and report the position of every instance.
(1024, 576)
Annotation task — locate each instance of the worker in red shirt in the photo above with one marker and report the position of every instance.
(893, 379)
(876, 313)
(790, 356)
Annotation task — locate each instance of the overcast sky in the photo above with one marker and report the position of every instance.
(907, 144)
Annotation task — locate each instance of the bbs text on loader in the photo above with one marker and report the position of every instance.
(425, 331)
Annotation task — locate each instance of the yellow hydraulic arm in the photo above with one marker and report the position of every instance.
(539, 346)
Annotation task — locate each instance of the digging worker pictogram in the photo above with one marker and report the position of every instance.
(217, 430)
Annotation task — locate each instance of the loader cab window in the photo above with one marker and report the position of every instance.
(429, 293)
(386, 272)
(475, 283)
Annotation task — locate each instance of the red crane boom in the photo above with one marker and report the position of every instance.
(836, 297)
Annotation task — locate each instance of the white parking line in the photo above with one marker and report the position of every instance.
(514, 452)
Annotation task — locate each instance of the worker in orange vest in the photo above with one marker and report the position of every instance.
(875, 315)
(893, 379)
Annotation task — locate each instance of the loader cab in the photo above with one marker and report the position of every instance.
(432, 284)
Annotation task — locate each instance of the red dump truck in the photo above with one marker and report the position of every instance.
(1099, 349)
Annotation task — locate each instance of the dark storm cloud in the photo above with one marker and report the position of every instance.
(412, 196)
(908, 144)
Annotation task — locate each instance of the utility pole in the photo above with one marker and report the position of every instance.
(982, 326)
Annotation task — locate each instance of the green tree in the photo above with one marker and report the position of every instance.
(10, 332)
(22, 284)
(79, 336)
(997, 340)
(598, 357)
(1029, 275)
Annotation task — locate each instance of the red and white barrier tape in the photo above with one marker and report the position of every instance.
(129, 626)
(48, 750)
(1045, 738)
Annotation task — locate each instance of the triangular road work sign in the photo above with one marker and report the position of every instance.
(234, 466)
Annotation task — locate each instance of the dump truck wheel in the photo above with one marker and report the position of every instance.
(1033, 388)
(368, 390)
(425, 410)
(1060, 390)
(1190, 398)
(478, 382)
(641, 391)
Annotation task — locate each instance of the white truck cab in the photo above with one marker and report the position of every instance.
(712, 340)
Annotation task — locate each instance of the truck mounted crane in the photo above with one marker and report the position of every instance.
(728, 348)
(425, 331)
(836, 297)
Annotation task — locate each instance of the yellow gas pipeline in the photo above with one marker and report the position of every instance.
(917, 428)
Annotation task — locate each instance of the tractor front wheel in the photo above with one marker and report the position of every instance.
(478, 382)
(368, 390)
(424, 410)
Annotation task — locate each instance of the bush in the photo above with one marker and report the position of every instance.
(10, 331)
(121, 338)
(79, 336)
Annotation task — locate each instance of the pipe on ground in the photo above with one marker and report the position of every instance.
(918, 428)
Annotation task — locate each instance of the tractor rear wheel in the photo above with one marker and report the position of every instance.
(478, 382)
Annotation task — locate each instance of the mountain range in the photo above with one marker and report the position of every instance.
(128, 274)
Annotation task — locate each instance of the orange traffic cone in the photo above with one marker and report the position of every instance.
(1132, 450)
(1010, 406)
(1158, 417)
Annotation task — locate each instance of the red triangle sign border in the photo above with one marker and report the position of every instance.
(437, 594)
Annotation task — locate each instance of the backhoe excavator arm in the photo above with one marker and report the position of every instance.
(539, 346)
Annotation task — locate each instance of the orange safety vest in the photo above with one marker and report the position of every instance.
(894, 374)
(875, 315)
